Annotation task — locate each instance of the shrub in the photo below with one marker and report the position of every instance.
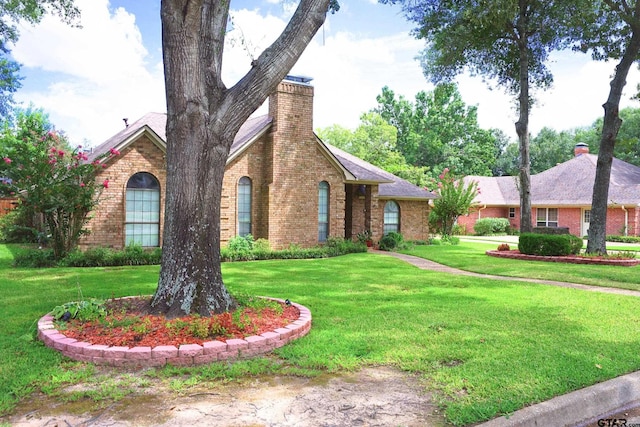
(547, 244)
(390, 241)
(14, 228)
(504, 247)
(94, 257)
(575, 243)
(450, 240)
(35, 258)
(241, 243)
(261, 245)
(459, 230)
(85, 310)
(623, 239)
(488, 226)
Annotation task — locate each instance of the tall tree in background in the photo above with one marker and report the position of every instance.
(616, 35)
(203, 117)
(374, 140)
(439, 130)
(504, 40)
(31, 11)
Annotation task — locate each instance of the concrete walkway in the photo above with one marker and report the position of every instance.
(426, 264)
(612, 399)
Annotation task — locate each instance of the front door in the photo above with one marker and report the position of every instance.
(586, 219)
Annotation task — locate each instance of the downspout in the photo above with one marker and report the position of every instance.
(479, 211)
(626, 220)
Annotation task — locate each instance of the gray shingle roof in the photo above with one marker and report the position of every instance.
(567, 184)
(390, 186)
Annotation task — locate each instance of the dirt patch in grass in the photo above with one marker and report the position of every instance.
(374, 396)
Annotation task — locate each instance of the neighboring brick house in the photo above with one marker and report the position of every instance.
(282, 183)
(561, 197)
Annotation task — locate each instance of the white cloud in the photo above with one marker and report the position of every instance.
(100, 69)
(99, 74)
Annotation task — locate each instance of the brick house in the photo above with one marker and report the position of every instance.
(282, 183)
(561, 197)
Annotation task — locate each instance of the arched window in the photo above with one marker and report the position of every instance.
(391, 217)
(323, 211)
(244, 206)
(143, 210)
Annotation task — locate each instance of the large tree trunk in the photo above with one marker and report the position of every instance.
(611, 126)
(522, 125)
(203, 117)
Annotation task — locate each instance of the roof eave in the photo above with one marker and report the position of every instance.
(247, 144)
(145, 129)
(348, 177)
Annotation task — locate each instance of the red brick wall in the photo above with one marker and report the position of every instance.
(567, 217)
(107, 224)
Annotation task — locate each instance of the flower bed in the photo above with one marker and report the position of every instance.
(184, 354)
(572, 259)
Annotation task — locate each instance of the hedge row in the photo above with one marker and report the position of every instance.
(623, 239)
(488, 226)
(136, 255)
(549, 244)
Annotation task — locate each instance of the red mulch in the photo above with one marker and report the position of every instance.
(571, 259)
(129, 324)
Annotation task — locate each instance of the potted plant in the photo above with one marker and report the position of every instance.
(366, 238)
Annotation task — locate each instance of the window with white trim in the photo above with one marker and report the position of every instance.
(547, 217)
(142, 221)
(244, 206)
(391, 217)
(512, 212)
(323, 211)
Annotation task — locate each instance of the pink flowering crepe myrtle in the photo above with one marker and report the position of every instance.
(58, 182)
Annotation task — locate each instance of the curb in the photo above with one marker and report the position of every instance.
(577, 408)
(184, 355)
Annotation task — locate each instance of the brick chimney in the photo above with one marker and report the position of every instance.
(580, 148)
(291, 107)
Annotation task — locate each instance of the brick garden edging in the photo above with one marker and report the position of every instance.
(565, 259)
(185, 355)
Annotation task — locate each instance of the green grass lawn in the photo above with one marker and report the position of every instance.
(471, 256)
(486, 347)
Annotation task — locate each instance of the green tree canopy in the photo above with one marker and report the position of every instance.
(375, 141)
(439, 130)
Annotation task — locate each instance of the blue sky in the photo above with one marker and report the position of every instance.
(88, 79)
